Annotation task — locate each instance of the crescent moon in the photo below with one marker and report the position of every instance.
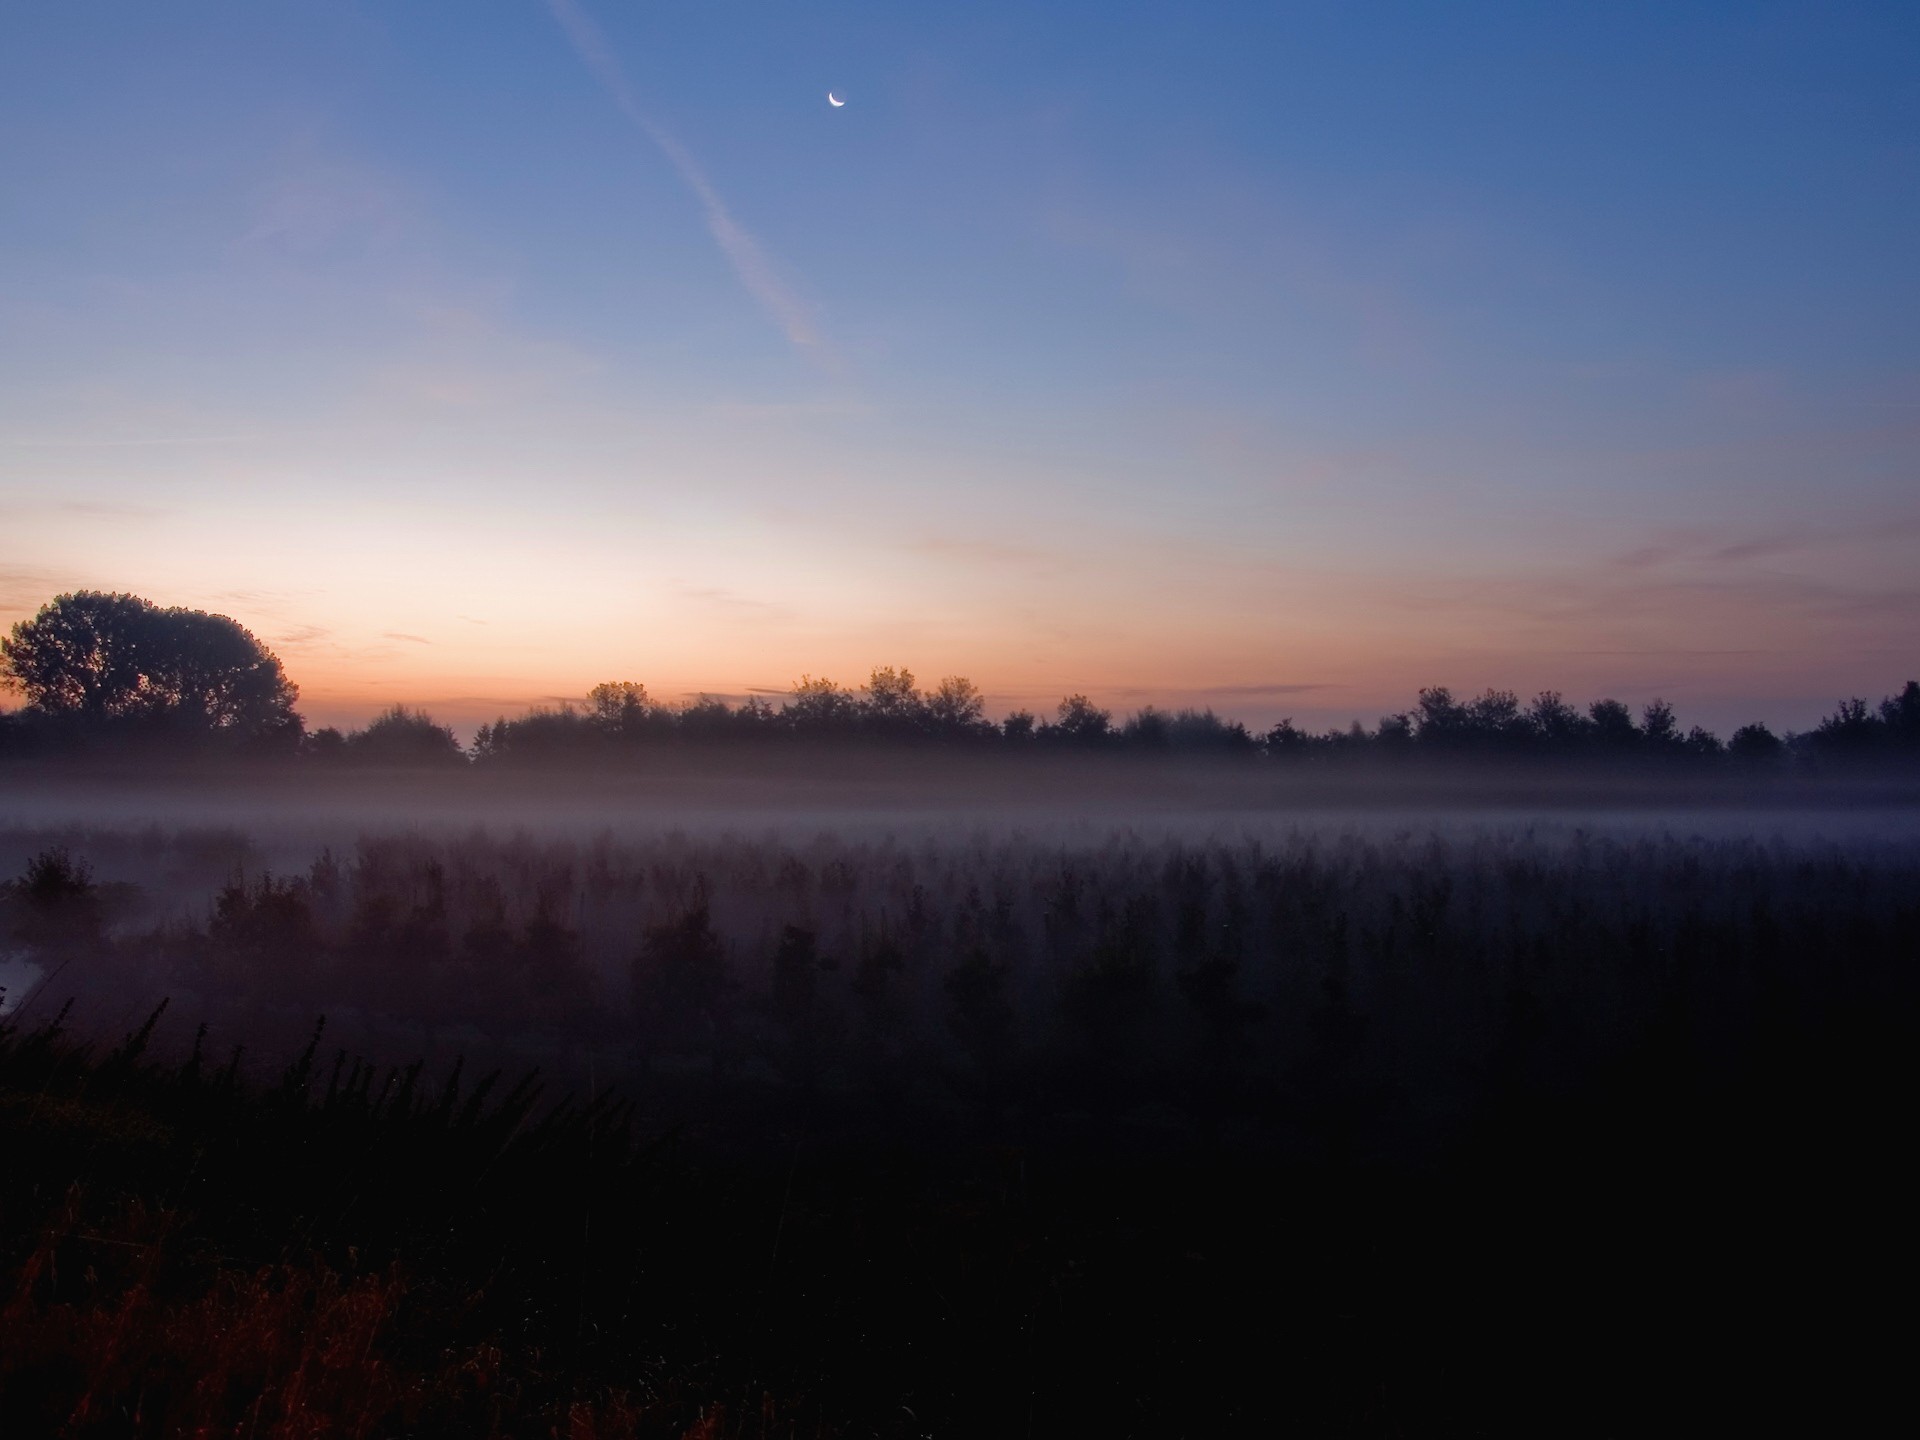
(834, 100)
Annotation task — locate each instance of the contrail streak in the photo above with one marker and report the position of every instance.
(749, 261)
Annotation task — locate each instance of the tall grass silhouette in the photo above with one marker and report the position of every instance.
(1391, 1132)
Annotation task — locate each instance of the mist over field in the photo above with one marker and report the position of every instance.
(980, 933)
(1049, 1077)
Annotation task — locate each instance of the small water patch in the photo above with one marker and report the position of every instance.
(18, 977)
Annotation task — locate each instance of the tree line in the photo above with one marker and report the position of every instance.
(105, 671)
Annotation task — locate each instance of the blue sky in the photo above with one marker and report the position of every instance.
(1281, 357)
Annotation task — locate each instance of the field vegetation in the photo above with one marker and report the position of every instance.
(1449, 1129)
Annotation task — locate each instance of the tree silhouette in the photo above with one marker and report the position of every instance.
(1148, 729)
(1850, 733)
(893, 706)
(1081, 722)
(820, 707)
(1756, 745)
(1558, 726)
(401, 736)
(1440, 721)
(1613, 726)
(1900, 714)
(620, 708)
(115, 668)
(956, 708)
(1494, 721)
(97, 659)
(1658, 729)
(1288, 741)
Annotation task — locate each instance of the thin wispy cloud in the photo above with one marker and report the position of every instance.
(732, 602)
(1200, 694)
(111, 509)
(1704, 547)
(1656, 652)
(982, 552)
(1274, 689)
(751, 263)
(138, 442)
(23, 589)
(83, 509)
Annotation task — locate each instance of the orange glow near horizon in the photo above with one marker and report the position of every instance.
(473, 618)
(680, 574)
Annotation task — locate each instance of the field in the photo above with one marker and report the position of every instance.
(957, 1123)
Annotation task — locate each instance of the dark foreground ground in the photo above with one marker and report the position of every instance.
(1403, 1133)
(382, 1254)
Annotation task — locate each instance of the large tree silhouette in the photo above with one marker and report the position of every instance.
(91, 658)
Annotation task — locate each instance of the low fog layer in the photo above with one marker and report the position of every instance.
(1251, 966)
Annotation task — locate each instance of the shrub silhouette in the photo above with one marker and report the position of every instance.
(403, 736)
(678, 981)
(262, 938)
(1755, 745)
(55, 908)
(1079, 722)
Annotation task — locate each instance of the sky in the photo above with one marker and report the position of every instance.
(1283, 358)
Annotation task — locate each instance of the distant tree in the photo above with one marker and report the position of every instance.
(1394, 734)
(620, 709)
(1081, 722)
(1702, 744)
(1659, 731)
(709, 718)
(1439, 721)
(1349, 744)
(1753, 745)
(1019, 727)
(1204, 731)
(1287, 741)
(705, 717)
(1850, 733)
(819, 707)
(544, 734)
(1611, 725)
(956, 707)
(1900, 715)
(1557, 727)
(491, 743)
(1494, 724)
(327, 743)
(94, 658)
(892, 705)
(1188, 730)
(1494, 711)
(1147, 729)
(402, 736)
